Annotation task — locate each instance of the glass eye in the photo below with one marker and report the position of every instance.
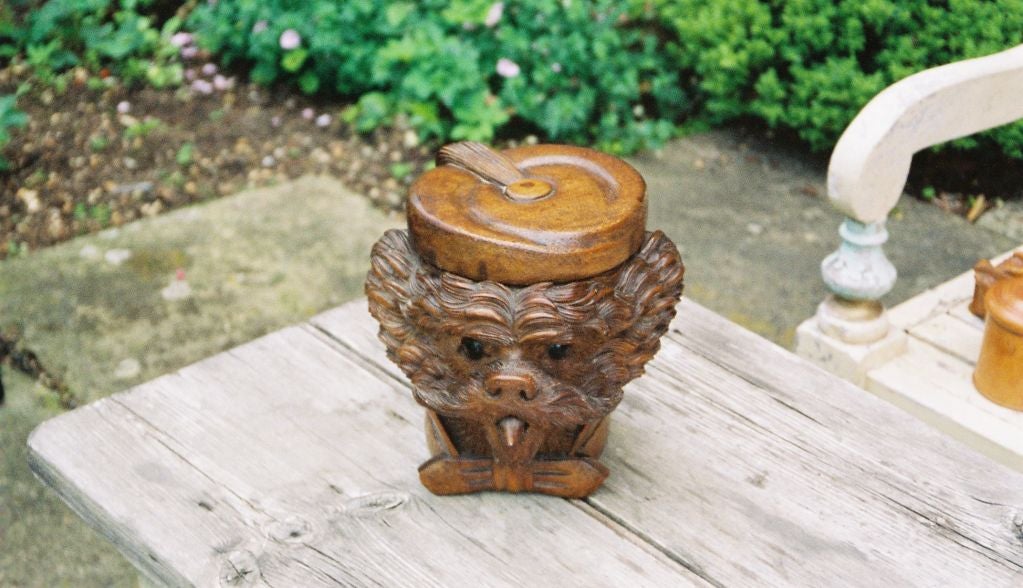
(472, 348)
(557, 351)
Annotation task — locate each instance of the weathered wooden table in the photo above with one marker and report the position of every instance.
(291, 461)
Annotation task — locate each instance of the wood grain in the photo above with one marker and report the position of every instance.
(751, 467)
(287, 463)
(734, 464)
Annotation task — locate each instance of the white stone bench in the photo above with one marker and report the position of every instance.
(920, 355)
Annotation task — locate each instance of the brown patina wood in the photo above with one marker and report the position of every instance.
(525, 294)
(988, 274)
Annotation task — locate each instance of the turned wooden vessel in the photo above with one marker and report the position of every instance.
(525, 294)
(999, 371)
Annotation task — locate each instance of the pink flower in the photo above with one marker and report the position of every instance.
(209, 69)
(181, 39)
(275, 121)
(259, 27)
(308, 113)
(290, 39)
(323, 120)
(494, 14)
(124, 107)
(507, 68)
(190, 74)
(189, 52)
(222, 83)
(202, 87)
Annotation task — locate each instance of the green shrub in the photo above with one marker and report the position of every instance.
(56, 35)
(580, 71)
(10, 118)
(811, 65)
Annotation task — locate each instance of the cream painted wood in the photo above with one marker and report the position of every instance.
(933, 379)
(871, 160)
(866, 176)
(290, 461)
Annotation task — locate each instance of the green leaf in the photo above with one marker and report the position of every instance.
(396, 13)
(309, 82)
(184, 156)
(292, 60)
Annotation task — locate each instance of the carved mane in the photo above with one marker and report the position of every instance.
(630, 306)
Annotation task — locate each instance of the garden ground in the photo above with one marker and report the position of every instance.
(113, 309)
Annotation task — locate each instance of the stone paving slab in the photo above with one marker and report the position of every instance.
(119, 308)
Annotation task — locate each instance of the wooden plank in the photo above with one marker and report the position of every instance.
(285, 462)
(933, 302)
(751, 467)
(951, 297)
(938, 387)
(952, 335)
(962, 312)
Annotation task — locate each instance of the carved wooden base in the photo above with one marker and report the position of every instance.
(514, 458)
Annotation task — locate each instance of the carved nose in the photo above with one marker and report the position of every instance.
(516, 384)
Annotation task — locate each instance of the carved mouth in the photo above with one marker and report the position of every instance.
(512, 430)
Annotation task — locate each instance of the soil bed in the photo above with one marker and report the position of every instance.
(101, 155)
(93, 158)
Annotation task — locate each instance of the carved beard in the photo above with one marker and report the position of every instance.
(612, 323)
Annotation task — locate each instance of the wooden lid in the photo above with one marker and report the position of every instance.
(544, 213)
(1004, 303)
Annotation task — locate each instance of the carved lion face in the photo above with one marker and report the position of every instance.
(554, 355)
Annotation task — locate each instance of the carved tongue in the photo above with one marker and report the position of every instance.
(511, 430)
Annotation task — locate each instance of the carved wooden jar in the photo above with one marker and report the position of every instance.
(525, 294)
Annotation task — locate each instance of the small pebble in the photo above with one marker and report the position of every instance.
(268, 161)
(30, 198)
(410, 139)
(177, 290)
(116, 257)
(124, 107)
(323, 120)
(308, 113)
(90, 252)
(754, 229)
(128, 369)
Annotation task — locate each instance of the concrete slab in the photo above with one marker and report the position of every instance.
(1007, 219)
(753, 223)
(42, 542)
(116, 309)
